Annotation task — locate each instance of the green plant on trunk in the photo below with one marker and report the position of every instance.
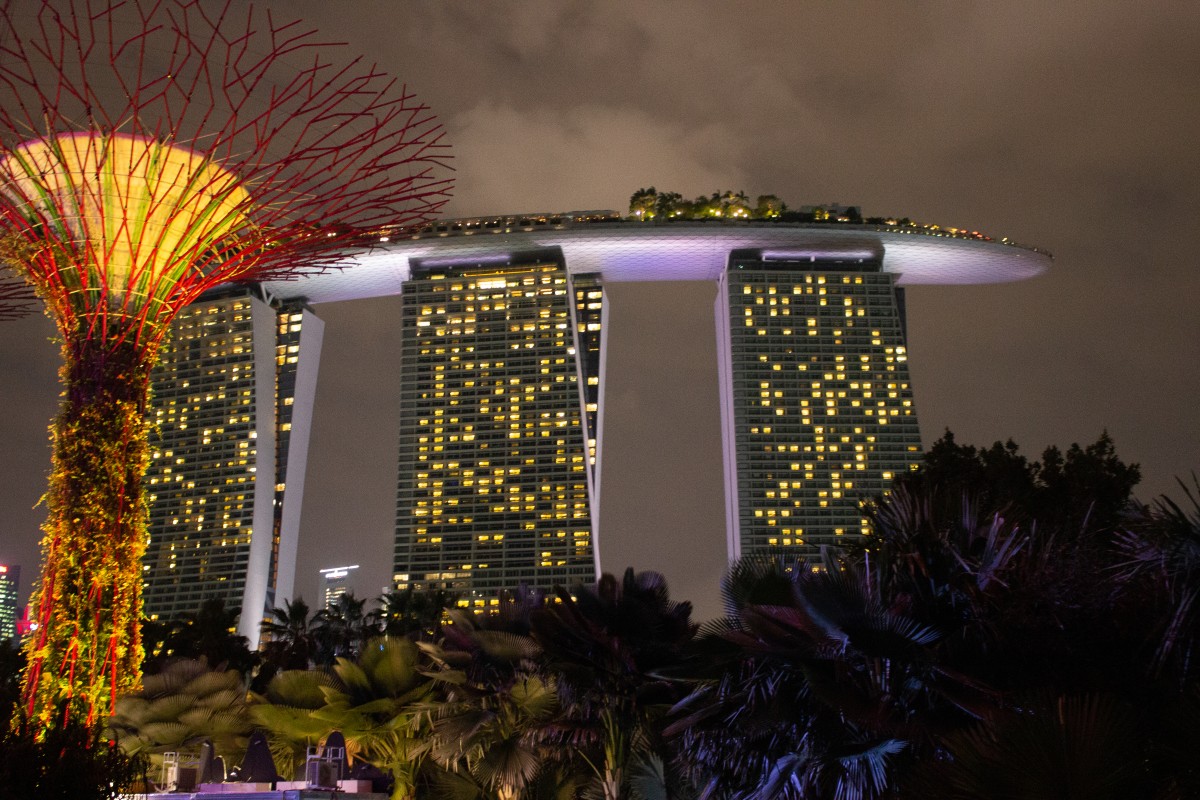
(142, 164)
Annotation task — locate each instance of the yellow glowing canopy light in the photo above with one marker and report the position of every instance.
(137, 214)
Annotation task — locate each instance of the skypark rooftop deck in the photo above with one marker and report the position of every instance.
(693, 250)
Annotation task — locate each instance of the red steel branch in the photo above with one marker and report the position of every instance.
(149, 151)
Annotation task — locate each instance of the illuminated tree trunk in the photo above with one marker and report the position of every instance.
(151, 150)
(88, 644)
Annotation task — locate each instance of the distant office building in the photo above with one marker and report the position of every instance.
(10, 607)
(499, 399)
(25, 623)
(335, 582)
(232, 409)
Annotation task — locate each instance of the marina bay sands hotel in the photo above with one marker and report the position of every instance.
(500, 449)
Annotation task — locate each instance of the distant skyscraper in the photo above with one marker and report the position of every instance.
(335, 582)
(232, 411)
(817, 408)
(499, 402)
(10, 588)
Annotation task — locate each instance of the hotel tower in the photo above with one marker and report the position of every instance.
(499, 400)
(817, 408)
(232, 409)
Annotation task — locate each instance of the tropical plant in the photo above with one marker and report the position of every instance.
(342, 628)
(179, 708)
(492, 723)
(1160, 564)
(209, 633)
(412, 613)
(608, 647)
(290, 638)
(378, 703)
(825, 694)
(989, 609)
(285, 710)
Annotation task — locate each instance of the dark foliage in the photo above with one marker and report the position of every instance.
(1159, 563)
(417, 615)
(67, 762)
(290, 642)
(825, 692)
(342, 629)
(1012, 629)
(208, 633)
(608, 647)
(12, 661)
(1085, 489)
(609, 642)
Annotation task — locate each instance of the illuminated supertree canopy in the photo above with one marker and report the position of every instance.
(149, 151)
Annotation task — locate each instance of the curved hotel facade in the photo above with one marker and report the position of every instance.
(502, 403)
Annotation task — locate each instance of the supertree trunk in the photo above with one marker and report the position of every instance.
(87, 647)
(151, 150)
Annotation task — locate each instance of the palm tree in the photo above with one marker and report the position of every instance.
(499, 707)
(414, 614)
(342, 628)
(285, 709)
(1160, 552)
(208, 633)
(822, 695)
(291, 641)
(181, 707)
(378, 702)
(828, 676)
(607, 647)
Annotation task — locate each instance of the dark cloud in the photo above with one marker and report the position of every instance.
(1069, 125)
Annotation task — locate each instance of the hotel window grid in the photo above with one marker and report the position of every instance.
(207, 430)
(494, 444)
(823, 407)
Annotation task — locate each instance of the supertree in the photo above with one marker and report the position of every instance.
(149, 151)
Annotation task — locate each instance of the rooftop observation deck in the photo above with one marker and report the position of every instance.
(692, 250)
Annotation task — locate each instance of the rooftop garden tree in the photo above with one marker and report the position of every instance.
(149, 151)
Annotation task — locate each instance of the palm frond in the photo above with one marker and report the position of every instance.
(864, 775)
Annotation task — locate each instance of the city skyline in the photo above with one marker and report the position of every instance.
(1067, 126)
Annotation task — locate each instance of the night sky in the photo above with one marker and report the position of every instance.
(1073, 126)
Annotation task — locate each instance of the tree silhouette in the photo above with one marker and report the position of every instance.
(607, 646)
